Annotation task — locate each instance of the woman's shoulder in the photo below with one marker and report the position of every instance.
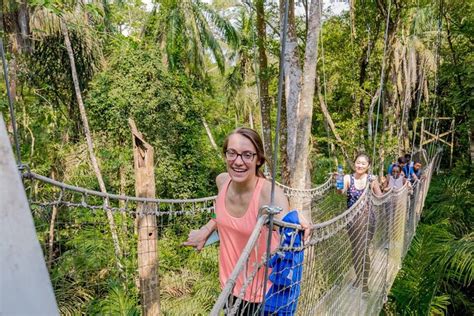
(266, 187)
(265, 194)
(221, 179)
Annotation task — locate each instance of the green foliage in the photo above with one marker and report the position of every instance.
(438, 269)
(189, 282)
(166, 110)
(119, 302)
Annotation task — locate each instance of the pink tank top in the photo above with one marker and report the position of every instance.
(233, 234)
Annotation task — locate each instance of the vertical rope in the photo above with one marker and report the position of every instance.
(420, 92)
(280, 97)
(257, 70)
(434, 111)
(12, 110)
(326, 125)
(382, 74)
(275, 151)
(438, 64)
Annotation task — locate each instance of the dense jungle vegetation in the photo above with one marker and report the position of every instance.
(190, 71)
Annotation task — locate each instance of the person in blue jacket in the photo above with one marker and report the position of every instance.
(415, 172)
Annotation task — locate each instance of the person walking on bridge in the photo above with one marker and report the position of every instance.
(242, 191)
(359, 235)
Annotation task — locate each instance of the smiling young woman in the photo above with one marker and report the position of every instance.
(242, 191)
(359, 233)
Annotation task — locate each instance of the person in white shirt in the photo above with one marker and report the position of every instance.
(395, 180)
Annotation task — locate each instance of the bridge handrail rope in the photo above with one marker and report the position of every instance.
(289, 191)
(319, 190)
(33, 175)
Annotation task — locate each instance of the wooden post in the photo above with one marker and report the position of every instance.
(147, 229)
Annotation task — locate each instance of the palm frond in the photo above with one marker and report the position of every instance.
(458, 261)
(119, 302)
(222, 25)
(207, 37)
(439, 305)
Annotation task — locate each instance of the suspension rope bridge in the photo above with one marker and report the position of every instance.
(347, 267)
(350, 261)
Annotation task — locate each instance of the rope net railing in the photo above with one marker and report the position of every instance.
(74, 231)
(347, 267)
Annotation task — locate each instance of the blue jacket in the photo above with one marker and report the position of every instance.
(287, 269)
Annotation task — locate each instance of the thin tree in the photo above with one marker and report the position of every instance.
(90, 144)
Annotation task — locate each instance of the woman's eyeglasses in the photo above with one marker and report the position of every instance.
(247, 156)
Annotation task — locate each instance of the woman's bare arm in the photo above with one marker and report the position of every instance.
(197, 237)
(375, 186)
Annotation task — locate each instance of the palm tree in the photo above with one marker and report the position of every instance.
(190, 31)
(241, 77)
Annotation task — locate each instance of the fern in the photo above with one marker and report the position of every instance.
(439, 267)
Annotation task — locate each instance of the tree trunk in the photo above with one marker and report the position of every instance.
(209, 134)
(90, 144)
(122, 204)
(265, 104)
(284, 165)
(107, 15)
(364, 61)
(410, 84)
(305, 112)
(13, 77)
(471, 142)
(292, 83)
(352, 5)
(370, 119)
(251, 119)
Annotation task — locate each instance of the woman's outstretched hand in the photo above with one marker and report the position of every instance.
(197, 238)
(306, 225)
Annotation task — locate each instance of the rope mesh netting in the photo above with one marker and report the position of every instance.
(346, 268)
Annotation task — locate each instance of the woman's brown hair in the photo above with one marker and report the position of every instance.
(256, 140)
